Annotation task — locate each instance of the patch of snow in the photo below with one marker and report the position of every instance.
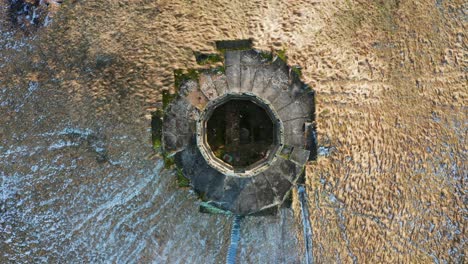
(324, 151)
(33, 86)
(69, 131)
(47, 21)
(332, 198)
(16, 150)
(119, 199)
(63, 144)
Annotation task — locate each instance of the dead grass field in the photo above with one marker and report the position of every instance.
(391, 84)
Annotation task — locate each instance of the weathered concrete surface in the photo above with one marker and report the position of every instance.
(300, 107)
(179, 125)
(278, 83)
(193, 94)
(220, 83)
(299, 156)
(218, 183)
(251, 62)
(208, 87)
(233, 70)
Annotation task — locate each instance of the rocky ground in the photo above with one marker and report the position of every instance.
(80, 181)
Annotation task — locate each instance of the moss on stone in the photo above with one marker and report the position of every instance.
(204, 59)
(266, 55)
(202, 196)
(180, 77)
(167, 98)
(219, 69)
(156, 129)
(207, 207)
(282, 55)
(168, 161)
(182, 181)
(297, 70)
(157, 144)
(286, 152)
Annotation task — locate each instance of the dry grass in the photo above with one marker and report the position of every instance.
(391, 86)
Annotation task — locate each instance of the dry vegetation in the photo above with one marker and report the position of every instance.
(391, 83)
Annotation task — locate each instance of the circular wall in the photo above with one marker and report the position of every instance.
(239, 134)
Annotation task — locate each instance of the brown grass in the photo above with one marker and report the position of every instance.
(391, 86)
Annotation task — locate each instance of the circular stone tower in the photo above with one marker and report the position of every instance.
(241, 133)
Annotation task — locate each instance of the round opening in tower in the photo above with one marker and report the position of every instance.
(241, 132)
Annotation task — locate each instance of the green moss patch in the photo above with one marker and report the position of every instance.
(168, 161)
(156, 129)
(219, 69)
(282, 55)
(167, 98)
(286, 152)
(182, 181)
(209, 208)
(266, 55)
(180, 76)
(204, 59)
(297, 70)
